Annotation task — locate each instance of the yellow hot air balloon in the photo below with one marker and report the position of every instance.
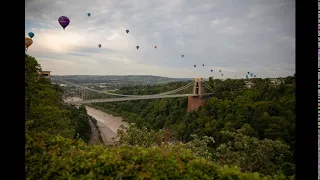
(28, 42)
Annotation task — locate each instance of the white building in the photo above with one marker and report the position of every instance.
(275, 81)
(248, 84)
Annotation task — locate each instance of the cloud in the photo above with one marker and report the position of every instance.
(230, 36)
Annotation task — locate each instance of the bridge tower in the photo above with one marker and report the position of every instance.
(194, 102)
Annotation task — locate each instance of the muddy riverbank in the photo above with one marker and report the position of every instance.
(108, 124)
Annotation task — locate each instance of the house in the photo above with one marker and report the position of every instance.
(45, 74)
(275, 81)
(248, 84)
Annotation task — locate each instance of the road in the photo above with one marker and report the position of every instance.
(107, 123)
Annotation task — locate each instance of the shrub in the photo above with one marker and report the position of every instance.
(55, 157)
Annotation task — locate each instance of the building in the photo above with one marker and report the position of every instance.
(275, 81)
(63, 85)
(248, 84)
(45, 74)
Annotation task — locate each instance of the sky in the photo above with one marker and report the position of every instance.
(234, 36)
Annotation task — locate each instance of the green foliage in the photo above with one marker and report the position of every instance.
(54, 157)
(248, 153)
(253, 155)
(263, 112)
(80, 122)
(45, 111)
(139, 137)
(230, 131)
(200, 146)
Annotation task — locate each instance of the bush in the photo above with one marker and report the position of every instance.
(55, 157)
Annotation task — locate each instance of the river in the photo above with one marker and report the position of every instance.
(107, 123)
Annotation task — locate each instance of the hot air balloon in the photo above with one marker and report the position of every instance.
(202, 64)
(89, 14)
(248, 72)
(127, 31)
(221, 74)
(155, 47)
(182, 55)
(194, 65)
(254, 76)
(251, 74)
(211, 70)
(99, 45)
(27, 42)
(219, 70)
(31, 34)
(137, 47)
(63, 21)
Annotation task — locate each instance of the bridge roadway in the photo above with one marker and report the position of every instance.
(129, 98)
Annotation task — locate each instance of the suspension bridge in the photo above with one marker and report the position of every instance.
(85, 95)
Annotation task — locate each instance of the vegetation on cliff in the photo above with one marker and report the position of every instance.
(253, 128)
(56, 147)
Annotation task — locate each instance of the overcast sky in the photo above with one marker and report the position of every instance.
(234, 36)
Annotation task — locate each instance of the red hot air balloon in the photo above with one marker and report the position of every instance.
(63, 21)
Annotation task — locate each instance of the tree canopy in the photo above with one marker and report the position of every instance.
(253, 128)
(241, 134)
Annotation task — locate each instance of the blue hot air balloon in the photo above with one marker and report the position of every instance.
(251, 74)
(89, 14)
(31, 34)
(254, 76)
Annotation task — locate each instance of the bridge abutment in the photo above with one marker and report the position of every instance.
(194, 102)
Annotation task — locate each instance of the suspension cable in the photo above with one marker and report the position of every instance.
(169, 92)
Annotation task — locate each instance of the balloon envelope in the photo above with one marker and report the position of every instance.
(251, 74)
(99, 45)
(127, 31)
(63, 21)
(211, 70)
(31, 34)
(182, 55)
(89, 14)
(28, 42)
(155, 47)
(137, 47)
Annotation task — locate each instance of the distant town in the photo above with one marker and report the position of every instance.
(114, 82)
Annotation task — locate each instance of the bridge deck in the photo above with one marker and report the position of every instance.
(130, 98)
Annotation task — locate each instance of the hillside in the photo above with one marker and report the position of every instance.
(57, 136)
(123, 80)
(252, 128)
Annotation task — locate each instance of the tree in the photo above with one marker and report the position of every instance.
(254, 155)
